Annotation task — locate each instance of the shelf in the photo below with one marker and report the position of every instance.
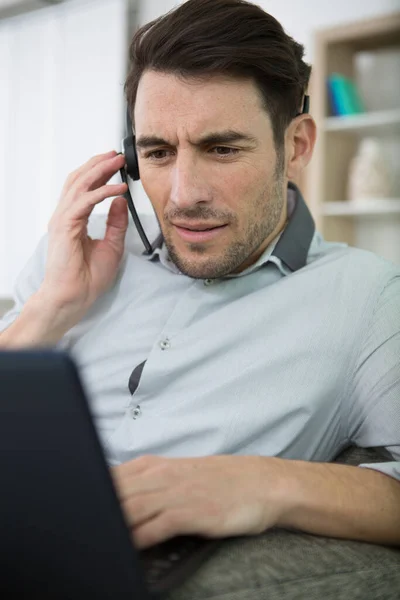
(385, 121)
(373, 206)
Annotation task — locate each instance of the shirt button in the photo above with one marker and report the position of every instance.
(164, 344)
(136, 412)
(208, 281)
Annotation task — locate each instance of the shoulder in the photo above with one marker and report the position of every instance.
(362, 268)
(358, 283)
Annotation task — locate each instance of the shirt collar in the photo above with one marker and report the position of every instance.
(289, 249)
(294, 243)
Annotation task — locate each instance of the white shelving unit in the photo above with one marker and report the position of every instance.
(365, 207)
(376, 123)
(372, 224)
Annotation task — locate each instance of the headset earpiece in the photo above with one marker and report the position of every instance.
(131, 168)
(131, 160)
(306, 106)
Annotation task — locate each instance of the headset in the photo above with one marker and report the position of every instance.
(131, 169)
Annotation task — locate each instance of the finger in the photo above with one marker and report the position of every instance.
(86, 167)
(128, 487)
(165, 526)
(83, 208)
(117, 223)
(98, 175)
(136, 466)
(139, 509)
(141, 475)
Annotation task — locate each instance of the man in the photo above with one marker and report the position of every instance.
(226, 369)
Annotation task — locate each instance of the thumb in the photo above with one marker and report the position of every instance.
(117, 223)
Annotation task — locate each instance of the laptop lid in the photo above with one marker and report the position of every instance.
(62, 531)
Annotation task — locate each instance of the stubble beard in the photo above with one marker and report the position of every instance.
(267, 214)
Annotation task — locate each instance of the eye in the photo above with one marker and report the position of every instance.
(224, 151)
(157, 154)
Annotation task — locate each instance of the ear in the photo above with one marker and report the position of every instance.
(300, 139)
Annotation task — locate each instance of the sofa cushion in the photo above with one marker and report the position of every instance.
(283, 565)
(356, 456)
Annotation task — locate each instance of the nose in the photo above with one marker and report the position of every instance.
(189, 184)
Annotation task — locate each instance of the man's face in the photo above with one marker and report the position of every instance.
(206, 159)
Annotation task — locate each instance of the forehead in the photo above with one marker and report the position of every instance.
(165, 100)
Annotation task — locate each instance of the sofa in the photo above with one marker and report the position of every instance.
(5, 305)
(286, 565)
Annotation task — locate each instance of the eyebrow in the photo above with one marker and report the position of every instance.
(217, 137)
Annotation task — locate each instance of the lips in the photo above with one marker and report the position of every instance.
(204, 234)
(197, 226)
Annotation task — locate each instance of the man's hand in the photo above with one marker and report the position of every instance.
(80, 269)
(223, 496)
(213, 496)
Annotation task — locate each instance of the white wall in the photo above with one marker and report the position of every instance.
(62, 72)
(301, 19)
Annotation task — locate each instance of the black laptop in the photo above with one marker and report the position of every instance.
(62, 531)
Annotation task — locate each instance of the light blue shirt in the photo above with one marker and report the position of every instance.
(298, 356)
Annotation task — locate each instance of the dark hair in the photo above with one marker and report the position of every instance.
(224, 37)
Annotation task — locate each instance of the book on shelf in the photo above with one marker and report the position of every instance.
(343, 96)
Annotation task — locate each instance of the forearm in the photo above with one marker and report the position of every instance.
(340, 501)
(39, 325)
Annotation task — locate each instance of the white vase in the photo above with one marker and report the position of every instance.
(369, 175)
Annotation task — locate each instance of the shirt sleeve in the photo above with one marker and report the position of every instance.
(373, 418)
(27, 283)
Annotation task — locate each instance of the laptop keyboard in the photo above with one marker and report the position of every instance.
(168, 564)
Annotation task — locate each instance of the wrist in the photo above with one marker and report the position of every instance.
(281, 491)
(301, 493)
(42, 322)
(53, 317)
